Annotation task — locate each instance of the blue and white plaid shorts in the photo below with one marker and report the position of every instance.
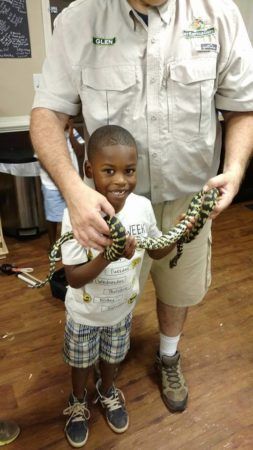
(84, 344)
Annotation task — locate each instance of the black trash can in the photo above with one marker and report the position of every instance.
(21, 201)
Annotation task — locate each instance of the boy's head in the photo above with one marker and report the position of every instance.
(112, 161)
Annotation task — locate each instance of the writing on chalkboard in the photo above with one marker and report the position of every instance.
(14, 31)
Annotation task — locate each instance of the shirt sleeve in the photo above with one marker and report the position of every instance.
(72, 252)
(235, 79)
(57, 89)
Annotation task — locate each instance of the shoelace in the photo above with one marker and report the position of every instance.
(78, 412)
(113, 402)
(173, 377)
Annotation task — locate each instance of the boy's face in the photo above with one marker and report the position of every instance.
(113, 169)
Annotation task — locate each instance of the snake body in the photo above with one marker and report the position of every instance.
(200, 207)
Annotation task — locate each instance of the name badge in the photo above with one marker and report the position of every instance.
(207, 47)
(103, 41)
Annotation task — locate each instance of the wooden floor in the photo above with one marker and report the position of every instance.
(216, 348)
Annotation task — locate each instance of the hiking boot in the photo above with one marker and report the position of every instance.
(174, 388)
(9, 431)
(115, 410)
(76, 428)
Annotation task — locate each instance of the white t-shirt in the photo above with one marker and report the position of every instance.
(111, 296)
(46, 180)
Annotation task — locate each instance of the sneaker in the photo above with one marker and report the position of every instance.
(9, 431)
(174, 388)
(115, 410)
(76, 428)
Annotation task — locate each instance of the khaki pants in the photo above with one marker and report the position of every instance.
(187, 283)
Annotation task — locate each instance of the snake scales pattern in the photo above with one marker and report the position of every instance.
(200, 207)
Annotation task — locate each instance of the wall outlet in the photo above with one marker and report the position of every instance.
(36, 80)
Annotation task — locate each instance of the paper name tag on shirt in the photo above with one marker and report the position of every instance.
(207, 47)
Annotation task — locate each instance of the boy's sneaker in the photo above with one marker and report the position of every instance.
(76, 428)
(174, 388)
(115, 410)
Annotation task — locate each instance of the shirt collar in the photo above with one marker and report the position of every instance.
(164, 10)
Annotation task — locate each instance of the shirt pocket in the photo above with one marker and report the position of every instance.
(191, 88)
(108, 95)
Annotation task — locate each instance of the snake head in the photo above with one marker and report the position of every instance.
(116, 250)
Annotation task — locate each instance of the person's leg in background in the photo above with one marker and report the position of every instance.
(52, 232)
(9, 431)
(54, 205)
(176, 289)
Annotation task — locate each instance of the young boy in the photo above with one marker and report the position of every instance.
(54, 203)
(101, 294)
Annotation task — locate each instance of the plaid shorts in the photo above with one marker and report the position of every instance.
(84, 344)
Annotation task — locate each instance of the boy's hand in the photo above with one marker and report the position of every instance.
(191, 222)
(130, 247)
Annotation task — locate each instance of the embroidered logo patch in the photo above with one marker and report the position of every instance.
(198, 28)
(104, 41)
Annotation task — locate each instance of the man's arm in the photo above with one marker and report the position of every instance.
(84, 204)
(238, 150)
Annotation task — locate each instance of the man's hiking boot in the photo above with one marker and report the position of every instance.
(174, 388)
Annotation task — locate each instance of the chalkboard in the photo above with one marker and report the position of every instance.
(14, 31)
(56, 6)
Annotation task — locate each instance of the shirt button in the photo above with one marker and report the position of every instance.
(153, 41)
(152, 80)
(154, 155)
(153, 118)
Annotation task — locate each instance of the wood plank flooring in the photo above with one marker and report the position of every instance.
(216, 348)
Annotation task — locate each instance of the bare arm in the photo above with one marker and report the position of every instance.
(162, 252)
(84, 204)
(79, 275)
(238, 150)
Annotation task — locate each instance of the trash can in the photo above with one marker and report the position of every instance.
(21, 202)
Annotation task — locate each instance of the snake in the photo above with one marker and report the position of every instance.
(200, 208)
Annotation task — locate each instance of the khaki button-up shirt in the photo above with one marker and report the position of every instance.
(163, 82)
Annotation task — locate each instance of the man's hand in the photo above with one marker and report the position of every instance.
(238, 150)
(228, 183)
(86, 207)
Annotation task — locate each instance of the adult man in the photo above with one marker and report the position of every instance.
(160, 69)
